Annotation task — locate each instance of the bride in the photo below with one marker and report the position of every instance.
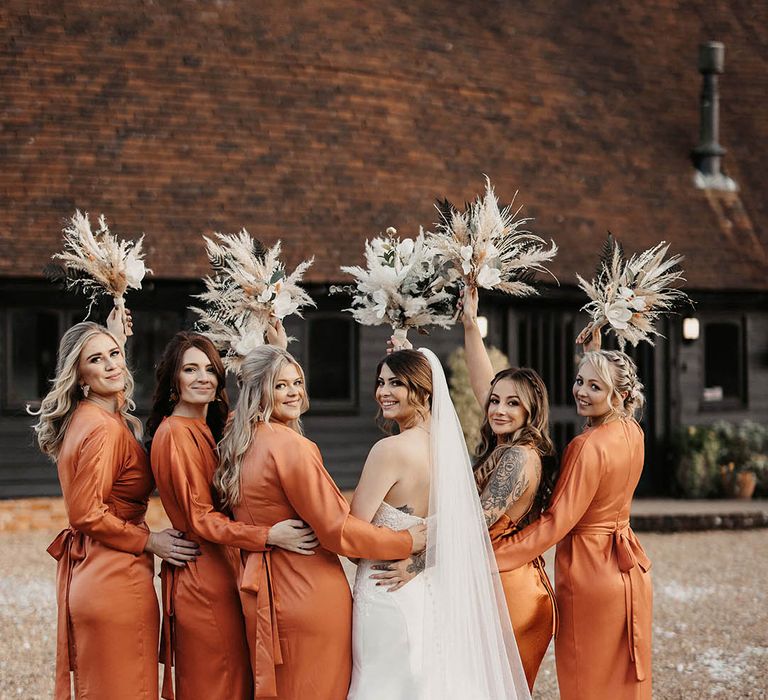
(445, 635)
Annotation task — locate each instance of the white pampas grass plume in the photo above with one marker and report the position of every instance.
(99, 262)
(490, 247)
(629, 295)
(249, 284)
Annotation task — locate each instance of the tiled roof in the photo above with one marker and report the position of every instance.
(322, 123)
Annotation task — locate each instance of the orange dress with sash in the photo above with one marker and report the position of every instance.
(298, 609)
(530, 601)
(602, 579)
(203, 627)
(108, 621)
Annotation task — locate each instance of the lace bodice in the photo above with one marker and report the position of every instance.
(394, 518)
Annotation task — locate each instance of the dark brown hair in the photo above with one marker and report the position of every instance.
(166, 381)
(412, 369)
(534, 434)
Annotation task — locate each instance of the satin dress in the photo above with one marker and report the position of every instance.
(602, 580)
(530, 598)
(203, 632)
(108, 622)
(298, 609)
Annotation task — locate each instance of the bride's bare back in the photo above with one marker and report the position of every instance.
(396, 471)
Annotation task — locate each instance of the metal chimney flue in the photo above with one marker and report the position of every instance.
(708, 155)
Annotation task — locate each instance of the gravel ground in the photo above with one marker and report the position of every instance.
(710, 617)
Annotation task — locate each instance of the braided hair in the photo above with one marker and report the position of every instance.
(619, 373)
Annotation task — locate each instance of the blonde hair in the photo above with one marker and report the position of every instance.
(618, 372)
(60, 402)
(257, 377)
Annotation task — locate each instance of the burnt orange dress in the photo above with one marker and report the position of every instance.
(108, 622)
(530, 601)
(203, 627)
(298, 609)
(602, 584)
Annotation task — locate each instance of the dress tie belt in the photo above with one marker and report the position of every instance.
(67, 548)
(631, 559)
(169, 577)
(256, 579)
(505, 527)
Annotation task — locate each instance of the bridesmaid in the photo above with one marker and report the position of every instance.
(515, 480)
(108, 615)
(203, 627)
(298, 610)
(603, 649)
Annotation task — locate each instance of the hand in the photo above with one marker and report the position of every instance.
(590, 337)
(394, 344)
(293, 536)
(419, 535)
(468, 303)
(276, 333)
(395, 574)
(120, 324)
(170, 546)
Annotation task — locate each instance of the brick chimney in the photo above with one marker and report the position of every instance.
(708, 155)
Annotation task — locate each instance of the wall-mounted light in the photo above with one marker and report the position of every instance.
(482, 326)
(691, 329)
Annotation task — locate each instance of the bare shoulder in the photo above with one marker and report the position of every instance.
(389, 448)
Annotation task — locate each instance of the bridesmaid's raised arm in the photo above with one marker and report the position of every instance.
(478, 363)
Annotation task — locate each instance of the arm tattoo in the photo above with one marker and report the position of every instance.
(406, 509)
(506, 485)
(417, 563)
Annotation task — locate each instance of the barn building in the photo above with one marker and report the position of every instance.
(323, 123)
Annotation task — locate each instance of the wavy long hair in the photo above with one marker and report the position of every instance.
(257, 378)
(412, 368)
(618, 372)
(534, 433)
(60, 402)
(167, 381)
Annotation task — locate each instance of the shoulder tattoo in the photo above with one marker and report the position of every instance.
(506, 485)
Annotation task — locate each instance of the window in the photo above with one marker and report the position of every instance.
(152, 331)
(331, 362)
(724, 367)
(32, 342)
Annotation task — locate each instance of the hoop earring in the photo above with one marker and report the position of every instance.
(85, 389)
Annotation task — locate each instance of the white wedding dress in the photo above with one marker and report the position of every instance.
(446, 634)
(387, 628)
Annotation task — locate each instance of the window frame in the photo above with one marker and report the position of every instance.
(727, 403)
(64, 319)
(348, 405)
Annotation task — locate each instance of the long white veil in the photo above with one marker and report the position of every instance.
(469, 649)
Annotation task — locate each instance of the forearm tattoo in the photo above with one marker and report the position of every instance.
(417, 563)
(507, 483)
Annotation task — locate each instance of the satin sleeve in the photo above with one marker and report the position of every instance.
(318, 501)
(192, 492)
(98, 462)
(576, 487)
